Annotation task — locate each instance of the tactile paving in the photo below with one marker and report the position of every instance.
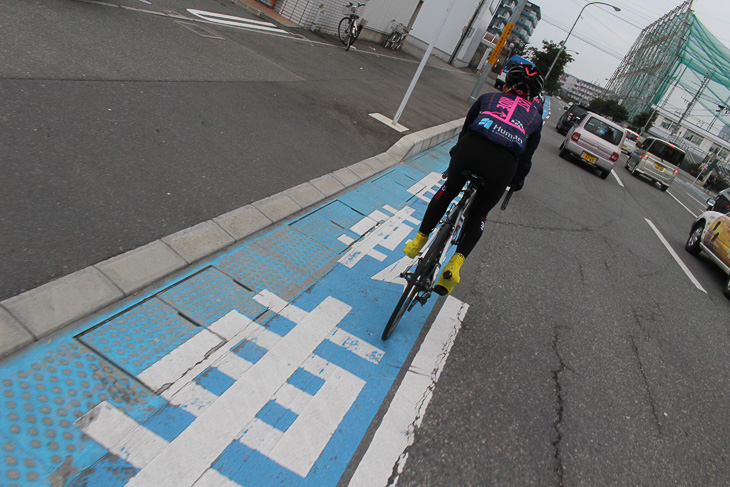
(210, 295)
(42, 397)
(140, 336)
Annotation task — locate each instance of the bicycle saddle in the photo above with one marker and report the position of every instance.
(474, 177)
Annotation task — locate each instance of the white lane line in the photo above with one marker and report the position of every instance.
(676, 257)
(397, 430)
(620, 183)
(682, 204)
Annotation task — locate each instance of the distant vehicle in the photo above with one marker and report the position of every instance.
(721, 203)
(630, 142)
(573, 115)
(710, 234)
(596, 141)
(499, 82)
(657, 160)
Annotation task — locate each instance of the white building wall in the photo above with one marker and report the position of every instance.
(381, 13)
(378, 16)
(429, 21)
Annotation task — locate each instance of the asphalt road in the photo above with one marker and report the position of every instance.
(587, 357)
(122, 125)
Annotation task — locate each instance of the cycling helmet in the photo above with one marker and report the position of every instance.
(525, 80)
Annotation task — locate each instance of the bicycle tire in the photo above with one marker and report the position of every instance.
(403, 303)
(343, 29)
(348, 41)
(424, 267)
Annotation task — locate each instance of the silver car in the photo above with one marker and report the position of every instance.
(596, 141)
(657, 160)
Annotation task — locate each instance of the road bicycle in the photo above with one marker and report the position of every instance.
(349, 27)
(423, 272)
(397, 36)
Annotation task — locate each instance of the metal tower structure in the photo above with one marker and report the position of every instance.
(645, 73)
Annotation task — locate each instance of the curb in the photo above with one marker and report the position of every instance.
(39, 312)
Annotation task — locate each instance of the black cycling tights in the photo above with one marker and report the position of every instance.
(476, 154)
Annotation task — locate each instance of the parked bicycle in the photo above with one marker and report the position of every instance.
(420, 281)
(397, 36)
(349, 27)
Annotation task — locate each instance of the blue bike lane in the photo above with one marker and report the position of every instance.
(262, 364)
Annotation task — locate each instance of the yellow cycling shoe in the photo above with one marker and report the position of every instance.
(414, 246)
(450, 276)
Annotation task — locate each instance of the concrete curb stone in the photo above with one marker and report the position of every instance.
(346, 176)
(52, 306)
(277, 207)
(242, 222)
(196, 242)
(328, 185)
(12, 334)
(305, 194)
(133, 270)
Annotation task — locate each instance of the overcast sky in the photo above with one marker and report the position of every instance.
(602, 37)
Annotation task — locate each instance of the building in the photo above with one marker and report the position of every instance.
(522, 29)
(697, 142)
(581, 91)
(458, 43)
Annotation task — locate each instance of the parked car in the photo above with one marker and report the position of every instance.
(573, 114)
(710, 233)
(721, 203)
(657, 160)
(596, 141)
(630, 142)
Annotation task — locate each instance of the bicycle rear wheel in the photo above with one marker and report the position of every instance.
(403, 304)
(419, 280)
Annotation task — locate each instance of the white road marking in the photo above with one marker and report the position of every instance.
(620, 183)
(232, 21)
(397, 430)
(389, 235)
(682, 204)
(189, 455)
(120, 434)
(676, 257)
(176, 363)
(212, 478)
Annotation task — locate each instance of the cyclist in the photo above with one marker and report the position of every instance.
(499, 137)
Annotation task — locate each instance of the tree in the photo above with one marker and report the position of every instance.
(609, 108)
(544, 58)
(640, 120)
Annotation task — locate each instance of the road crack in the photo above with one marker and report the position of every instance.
(645, 382)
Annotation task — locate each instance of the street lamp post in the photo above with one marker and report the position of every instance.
(562, 44)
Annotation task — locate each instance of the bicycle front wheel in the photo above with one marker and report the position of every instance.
(343, 29)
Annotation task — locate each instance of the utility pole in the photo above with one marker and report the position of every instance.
(465, 34)
(706, 80)
(497, 50)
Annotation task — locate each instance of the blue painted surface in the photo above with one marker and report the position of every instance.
(53, 383)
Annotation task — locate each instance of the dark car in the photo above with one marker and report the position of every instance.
(572, 115)
(721, 203)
